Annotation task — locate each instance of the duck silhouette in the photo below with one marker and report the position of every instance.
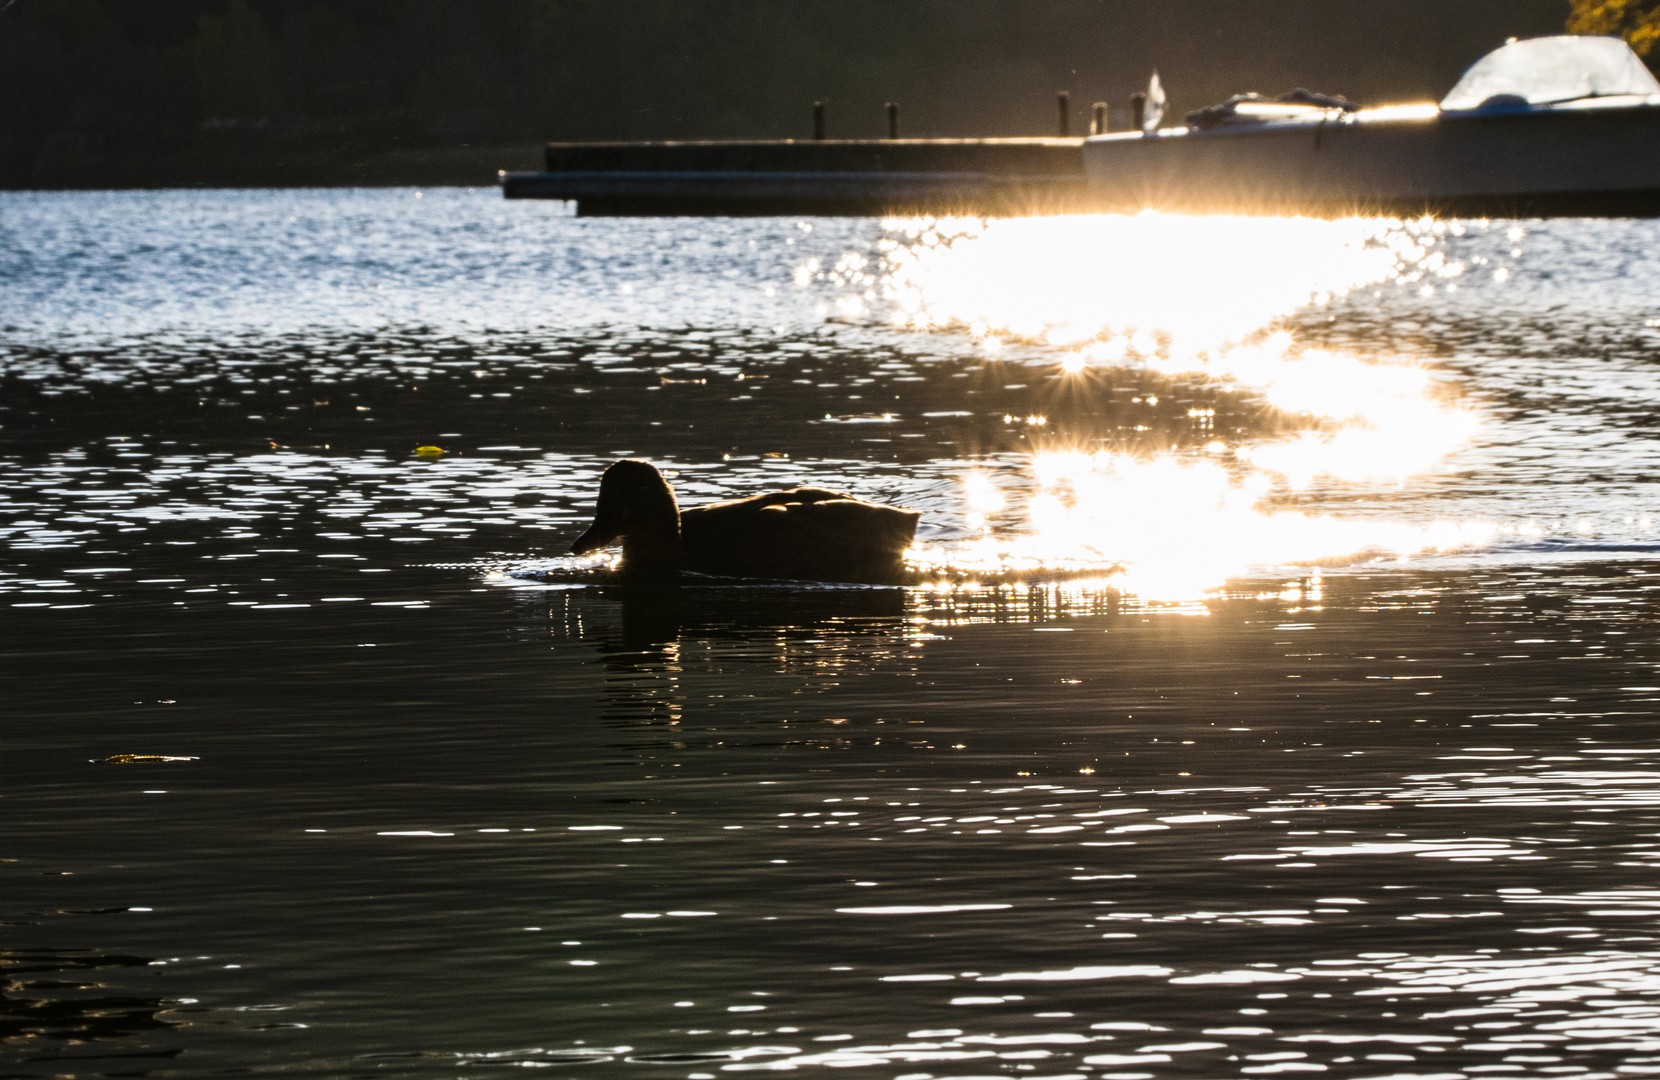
(803, 534)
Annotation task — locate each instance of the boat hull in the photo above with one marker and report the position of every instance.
(1593, 162)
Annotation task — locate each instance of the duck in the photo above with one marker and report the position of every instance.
(801, 534)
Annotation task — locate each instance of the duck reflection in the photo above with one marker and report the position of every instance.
(650, 640)
(763, 621)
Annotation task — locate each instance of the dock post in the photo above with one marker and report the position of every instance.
(1138, 110)
(1063, 104)
(893, 120)
(1099, 125)
(818, 121)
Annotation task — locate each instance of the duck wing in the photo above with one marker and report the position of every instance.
(805, 534)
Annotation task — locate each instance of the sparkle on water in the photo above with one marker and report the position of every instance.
(1197, 298)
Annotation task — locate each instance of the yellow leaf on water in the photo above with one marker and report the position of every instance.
(142, 759)
(429, 451)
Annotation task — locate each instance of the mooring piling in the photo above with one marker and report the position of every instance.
(818, 121)
(1098, 126)
(893, 120)
(1138, 109)
(1063, 105)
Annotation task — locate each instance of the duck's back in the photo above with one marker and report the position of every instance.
(805, 534)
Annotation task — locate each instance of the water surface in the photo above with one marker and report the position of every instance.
(1317, 734)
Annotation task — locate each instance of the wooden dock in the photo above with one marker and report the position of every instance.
(820, 177)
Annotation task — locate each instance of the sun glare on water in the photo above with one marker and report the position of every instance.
(1192, 298)
(1171, 529)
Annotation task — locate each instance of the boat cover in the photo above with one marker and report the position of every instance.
(1543, 71)
(1249, 107)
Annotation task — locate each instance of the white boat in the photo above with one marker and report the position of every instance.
(1544, 127)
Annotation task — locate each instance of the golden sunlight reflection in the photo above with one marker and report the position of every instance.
(1191, 298)
(1116, 286)
(1172, 529)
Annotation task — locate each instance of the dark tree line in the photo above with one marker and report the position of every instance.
(96, 92)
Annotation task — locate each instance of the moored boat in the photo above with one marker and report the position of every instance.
(1542, 127)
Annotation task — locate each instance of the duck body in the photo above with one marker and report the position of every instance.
(808, 534)
(802, 534)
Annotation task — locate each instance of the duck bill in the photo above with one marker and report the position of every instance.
(599, 534)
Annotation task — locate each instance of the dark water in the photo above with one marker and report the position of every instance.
(445, 802)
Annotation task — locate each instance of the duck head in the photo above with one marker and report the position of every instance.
(636, 505)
